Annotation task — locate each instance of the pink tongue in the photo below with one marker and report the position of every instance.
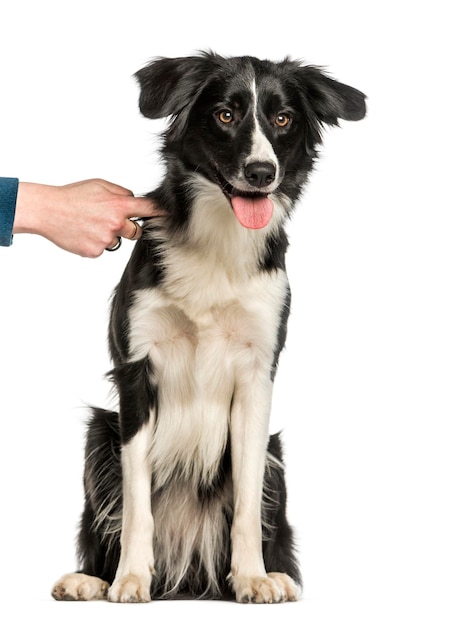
(253, 212)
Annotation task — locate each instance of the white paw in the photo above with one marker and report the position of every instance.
(272, 588)
(289, 589)
(80, 587)
(130, 588)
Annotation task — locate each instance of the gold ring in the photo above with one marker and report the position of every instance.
(136, 229)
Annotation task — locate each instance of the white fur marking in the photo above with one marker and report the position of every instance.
(262, 149)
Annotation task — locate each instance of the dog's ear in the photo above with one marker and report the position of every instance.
(330, 99)
(169, 85)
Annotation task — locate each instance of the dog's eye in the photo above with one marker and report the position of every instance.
(282, 120)
(225, 116)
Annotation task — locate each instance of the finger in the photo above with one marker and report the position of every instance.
(143, 207)
(132, 230)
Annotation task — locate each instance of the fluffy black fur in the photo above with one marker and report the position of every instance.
(192, 91)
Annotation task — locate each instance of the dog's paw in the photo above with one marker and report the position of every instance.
(289, 589)
(268, 589)
(129, 588)
(80, 587)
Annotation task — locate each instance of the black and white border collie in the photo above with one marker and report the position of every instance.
(184, 488)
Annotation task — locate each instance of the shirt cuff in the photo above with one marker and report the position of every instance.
(8, 196)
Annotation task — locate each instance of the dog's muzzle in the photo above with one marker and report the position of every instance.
(252, 208)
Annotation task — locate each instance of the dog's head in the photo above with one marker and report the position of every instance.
(247, 125)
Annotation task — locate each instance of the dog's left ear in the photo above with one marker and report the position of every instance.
(330, 99)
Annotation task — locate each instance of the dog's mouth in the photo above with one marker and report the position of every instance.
(252, 209)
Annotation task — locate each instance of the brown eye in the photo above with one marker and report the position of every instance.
(282, 120)
(225, 116)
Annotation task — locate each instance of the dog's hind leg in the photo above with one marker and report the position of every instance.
(278, 537)
(80, 587)
(88, 583)
(97, 546)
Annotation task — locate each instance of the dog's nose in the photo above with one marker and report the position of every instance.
(260, 174)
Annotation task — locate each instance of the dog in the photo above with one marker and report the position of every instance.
(185, 491)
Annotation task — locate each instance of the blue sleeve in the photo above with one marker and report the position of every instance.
(8, 195)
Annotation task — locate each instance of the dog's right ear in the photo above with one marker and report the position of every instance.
(170, 85)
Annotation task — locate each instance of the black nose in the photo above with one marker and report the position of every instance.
(260, 174)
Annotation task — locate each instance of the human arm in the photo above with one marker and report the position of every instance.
(84, 218)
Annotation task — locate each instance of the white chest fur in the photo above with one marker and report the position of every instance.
(200, 355)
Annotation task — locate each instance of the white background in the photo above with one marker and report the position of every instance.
(371, 393)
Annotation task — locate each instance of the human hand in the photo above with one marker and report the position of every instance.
(84, 217)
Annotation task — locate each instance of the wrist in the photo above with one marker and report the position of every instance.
(32, 207)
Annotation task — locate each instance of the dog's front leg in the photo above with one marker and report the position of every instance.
(133, 578)
(249, 436)
(249, 432)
